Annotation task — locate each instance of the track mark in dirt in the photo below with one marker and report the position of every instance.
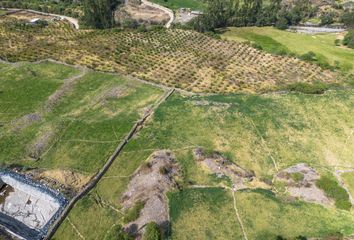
(238, 216)
(264, 143)
(75, 229)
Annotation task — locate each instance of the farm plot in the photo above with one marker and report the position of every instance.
(77, 127)
(277, 41)
(174, 58)
(260, 133)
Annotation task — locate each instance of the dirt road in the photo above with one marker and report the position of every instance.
(73, 21)
(166, 10)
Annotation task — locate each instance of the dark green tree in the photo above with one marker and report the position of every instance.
(99, 13)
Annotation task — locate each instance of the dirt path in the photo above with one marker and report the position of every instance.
(238, 216)
(107, 165)
(162, 8)
(75, 229)
(72, 20)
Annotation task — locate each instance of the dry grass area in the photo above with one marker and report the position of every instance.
(174, 58)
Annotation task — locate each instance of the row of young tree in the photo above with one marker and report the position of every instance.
(240, 13)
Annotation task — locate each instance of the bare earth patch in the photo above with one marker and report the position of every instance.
(65, 181)
(303, 187)
(221, 166)
(25, 121)
(36, 149)
(141, 13)
(149, 185)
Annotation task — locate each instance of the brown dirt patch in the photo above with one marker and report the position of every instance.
(141, 13)
(149, 184)
(221, 166)
(66, 177)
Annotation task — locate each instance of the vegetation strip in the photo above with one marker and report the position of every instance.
(105, 168)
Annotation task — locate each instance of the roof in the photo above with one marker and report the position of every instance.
(34, 20)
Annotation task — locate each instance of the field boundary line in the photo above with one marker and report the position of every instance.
(93, 182)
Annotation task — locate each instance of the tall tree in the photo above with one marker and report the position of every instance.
(99, 13)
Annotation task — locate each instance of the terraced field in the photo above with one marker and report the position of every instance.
(277, 41)
(53, 121)
(174, 58)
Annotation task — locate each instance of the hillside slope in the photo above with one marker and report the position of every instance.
(174, 58)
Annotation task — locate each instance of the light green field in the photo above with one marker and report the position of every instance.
(211, 206)
(85, 126)
(248, 129)
(348, 178)
(177, 4)
(273, 40)
(266, 217)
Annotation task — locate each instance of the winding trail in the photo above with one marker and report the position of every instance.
(73, 21)
(162, 8)
(238, 216)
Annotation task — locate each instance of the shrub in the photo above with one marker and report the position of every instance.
(327, 18)
(337, 42)
(314, 88)
(152, 232)
(334, 191)
(310, 56)
(348, 19)
(297, 176)
(134, 212)
(282, 23)
(349, 39)
(118, 233)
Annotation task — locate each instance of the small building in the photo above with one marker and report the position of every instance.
(34, 20)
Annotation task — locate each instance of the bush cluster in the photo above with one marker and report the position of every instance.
(334, 191)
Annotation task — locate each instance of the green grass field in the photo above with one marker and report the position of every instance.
(84, 127)
(248, 129)
(177, 4)
(211, 206)
(274, 40)
(266, 217)
(348, 178)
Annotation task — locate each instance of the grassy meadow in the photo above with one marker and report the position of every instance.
(250, 130)
(266, 217)
(274, 41)
(81, 130)
(177, 4)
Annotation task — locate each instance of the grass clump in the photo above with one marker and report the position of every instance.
(152, 232)
(297, 176)
(118, 233)
(308, 88)
(134, 212)
(334, 191)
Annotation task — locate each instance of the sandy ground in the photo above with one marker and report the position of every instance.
(149, 184)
